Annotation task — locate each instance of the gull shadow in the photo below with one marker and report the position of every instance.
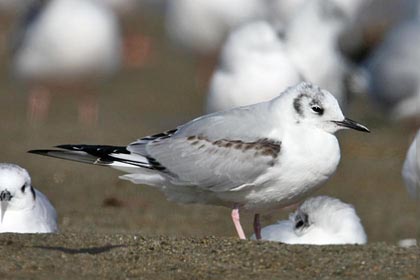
(91, 250)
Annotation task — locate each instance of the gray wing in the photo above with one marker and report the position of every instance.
(219, 152)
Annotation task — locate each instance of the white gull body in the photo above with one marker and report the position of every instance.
(319, 220)
(24, 209)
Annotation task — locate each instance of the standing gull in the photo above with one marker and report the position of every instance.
(258, 157)
(319, 220)
(24, 209)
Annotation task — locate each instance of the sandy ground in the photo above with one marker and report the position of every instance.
(123, 256)
(109, 227)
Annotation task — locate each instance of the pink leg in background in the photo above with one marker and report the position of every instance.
(88, 110)
(39, 100)
(237, 223)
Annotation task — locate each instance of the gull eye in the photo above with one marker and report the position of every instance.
(301, 221)
(317, 109)
(23, 188)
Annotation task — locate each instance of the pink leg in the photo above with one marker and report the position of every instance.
(257, 227)
(237, 223)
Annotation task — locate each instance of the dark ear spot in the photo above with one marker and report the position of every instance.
(297, 104)
(23, 188)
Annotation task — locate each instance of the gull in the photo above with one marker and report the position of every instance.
(411, 168)
(68, 45)
(320, 220)
(24, 209)
(254, 66)
(256, 158)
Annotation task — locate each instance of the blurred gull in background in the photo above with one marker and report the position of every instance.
(24, 209)
(254, 66)
(66, 45)
(320, 220)
(258, 60)
(411, 176)
(411, 168)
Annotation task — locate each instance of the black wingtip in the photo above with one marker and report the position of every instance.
(39, 152)
(70, 155)
(45, 151)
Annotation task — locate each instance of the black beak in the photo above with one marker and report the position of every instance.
(353, 125)
(5, 195)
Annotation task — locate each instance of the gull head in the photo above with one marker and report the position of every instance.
(310, 106)
(324, 220)
(16, 191)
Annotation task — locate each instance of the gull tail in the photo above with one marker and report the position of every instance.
(113, 156)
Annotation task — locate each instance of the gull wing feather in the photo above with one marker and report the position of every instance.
(217, 152)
